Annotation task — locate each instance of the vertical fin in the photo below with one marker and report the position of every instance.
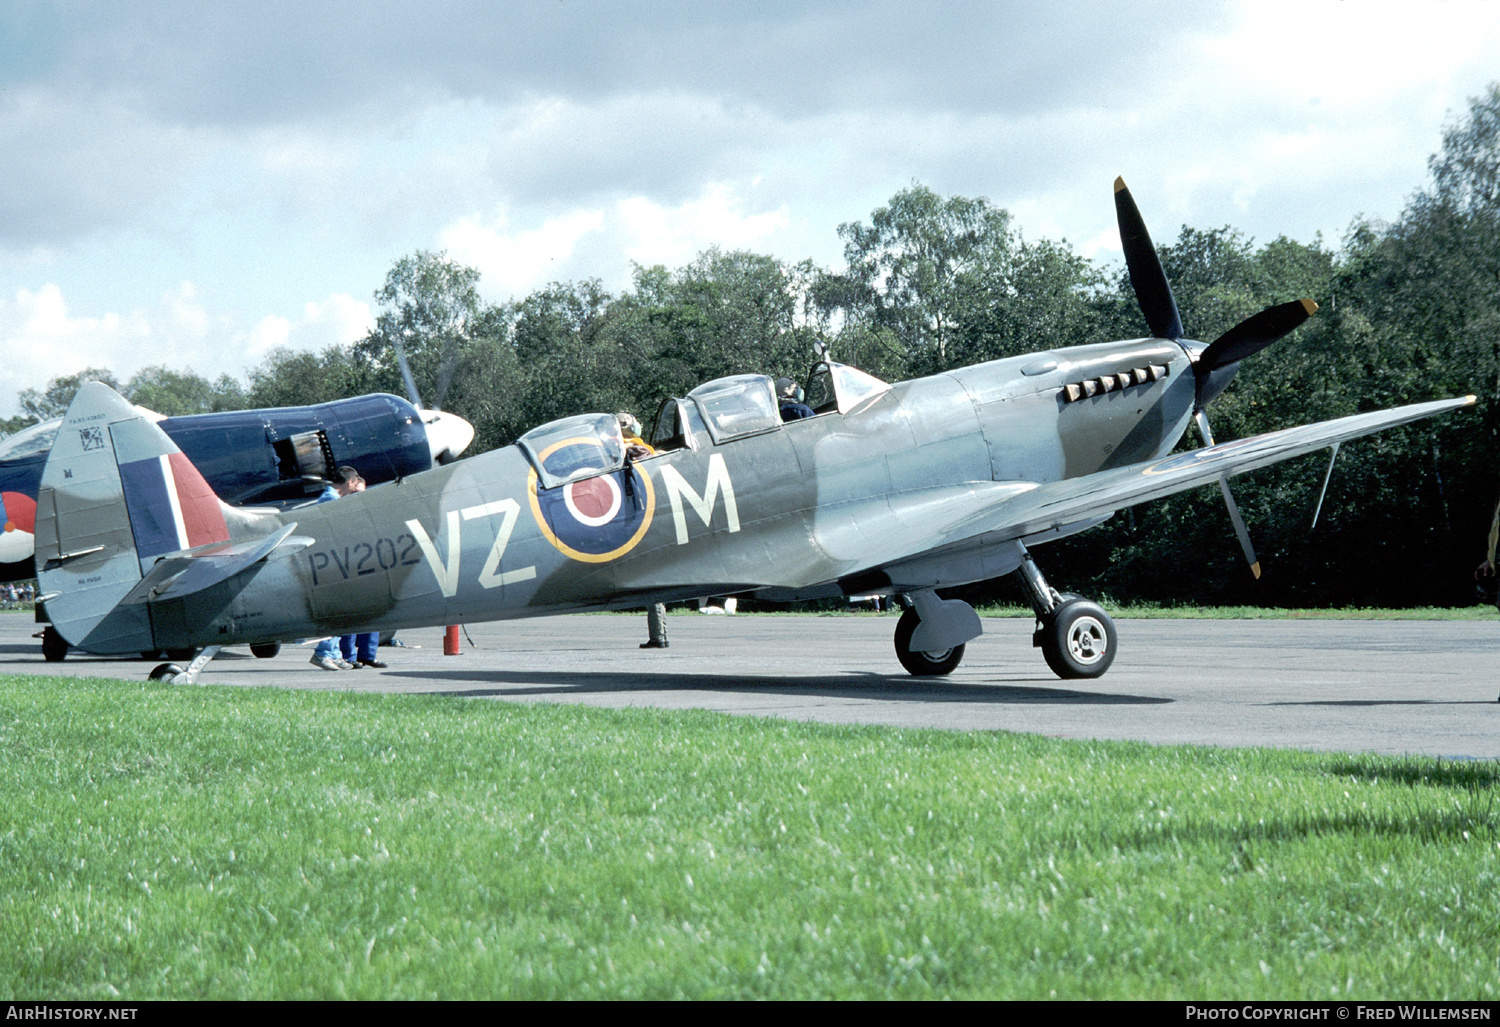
(116, 494)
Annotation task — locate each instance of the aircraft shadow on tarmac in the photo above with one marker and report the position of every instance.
(514, 685)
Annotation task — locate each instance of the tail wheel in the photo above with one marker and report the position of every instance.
(1078, 640)
(928, 664)
(54, 646)
(265, 650)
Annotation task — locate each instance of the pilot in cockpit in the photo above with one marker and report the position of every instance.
(630, 431)
(789, 400)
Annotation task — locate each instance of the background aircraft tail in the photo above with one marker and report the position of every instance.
(116, 495)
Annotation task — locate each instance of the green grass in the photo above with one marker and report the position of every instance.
(168, 842)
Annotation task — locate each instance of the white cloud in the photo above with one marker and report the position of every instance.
(43, 339)
(654, 234)
(270, 332)
(337, 320)
(190, 316)
(517, 262)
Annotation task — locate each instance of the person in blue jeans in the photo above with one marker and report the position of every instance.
(360, 650)
(351, 652)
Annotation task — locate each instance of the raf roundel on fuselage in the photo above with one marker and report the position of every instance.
(586, 500)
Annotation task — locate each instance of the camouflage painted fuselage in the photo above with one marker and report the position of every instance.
(836, 504)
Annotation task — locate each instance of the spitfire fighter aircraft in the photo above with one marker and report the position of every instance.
(892, 489)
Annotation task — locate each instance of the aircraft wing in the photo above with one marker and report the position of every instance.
(990, 513)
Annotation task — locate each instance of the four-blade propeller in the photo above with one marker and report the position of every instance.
(1214, 366)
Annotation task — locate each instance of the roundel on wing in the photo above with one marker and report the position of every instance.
(595, 519)
(18, 521)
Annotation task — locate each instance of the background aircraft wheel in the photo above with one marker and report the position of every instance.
(165, 672)
(185, 655)
(1078, 640)
(929, 664)
(54, 646)
(266, 650)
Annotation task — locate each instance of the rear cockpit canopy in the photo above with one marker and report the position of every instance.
(742, 404)
(746, 404)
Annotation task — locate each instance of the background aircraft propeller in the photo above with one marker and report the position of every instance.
(1216, 364)
(447, 435)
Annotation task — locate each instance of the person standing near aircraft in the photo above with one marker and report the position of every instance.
(351, 651)
(326, 655)
(636, 448)
(357, 651)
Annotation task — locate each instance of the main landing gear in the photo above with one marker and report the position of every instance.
(1076, 637)
(931, 633)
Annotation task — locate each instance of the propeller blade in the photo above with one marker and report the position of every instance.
(1240, 531)
(445, 373)
(1152, 291)
(1254, 334)
(411, 386)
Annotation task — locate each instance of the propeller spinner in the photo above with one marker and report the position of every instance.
(1216, 364)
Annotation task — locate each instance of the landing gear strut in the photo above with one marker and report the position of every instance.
(1076, 637)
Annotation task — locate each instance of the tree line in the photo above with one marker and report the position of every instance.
(1410, 311)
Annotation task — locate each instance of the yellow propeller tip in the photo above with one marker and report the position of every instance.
(1310, 307)
(1255, 569)
(1119, 183)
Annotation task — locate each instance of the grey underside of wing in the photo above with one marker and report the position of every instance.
(988, 513)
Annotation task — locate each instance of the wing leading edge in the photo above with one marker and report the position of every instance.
(996, 515)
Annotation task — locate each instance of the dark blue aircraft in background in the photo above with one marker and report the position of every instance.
(277, 457)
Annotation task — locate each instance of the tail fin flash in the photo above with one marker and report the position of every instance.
(115, 495)
(171, 507)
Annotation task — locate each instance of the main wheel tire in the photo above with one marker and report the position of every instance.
(54, 646)
(929, 664)
(1079, 640)
(265, 650)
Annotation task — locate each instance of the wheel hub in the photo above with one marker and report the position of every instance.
(1086, 640)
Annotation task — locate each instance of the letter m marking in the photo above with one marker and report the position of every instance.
(718, 480)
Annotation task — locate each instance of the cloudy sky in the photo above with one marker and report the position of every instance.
(194, 184)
